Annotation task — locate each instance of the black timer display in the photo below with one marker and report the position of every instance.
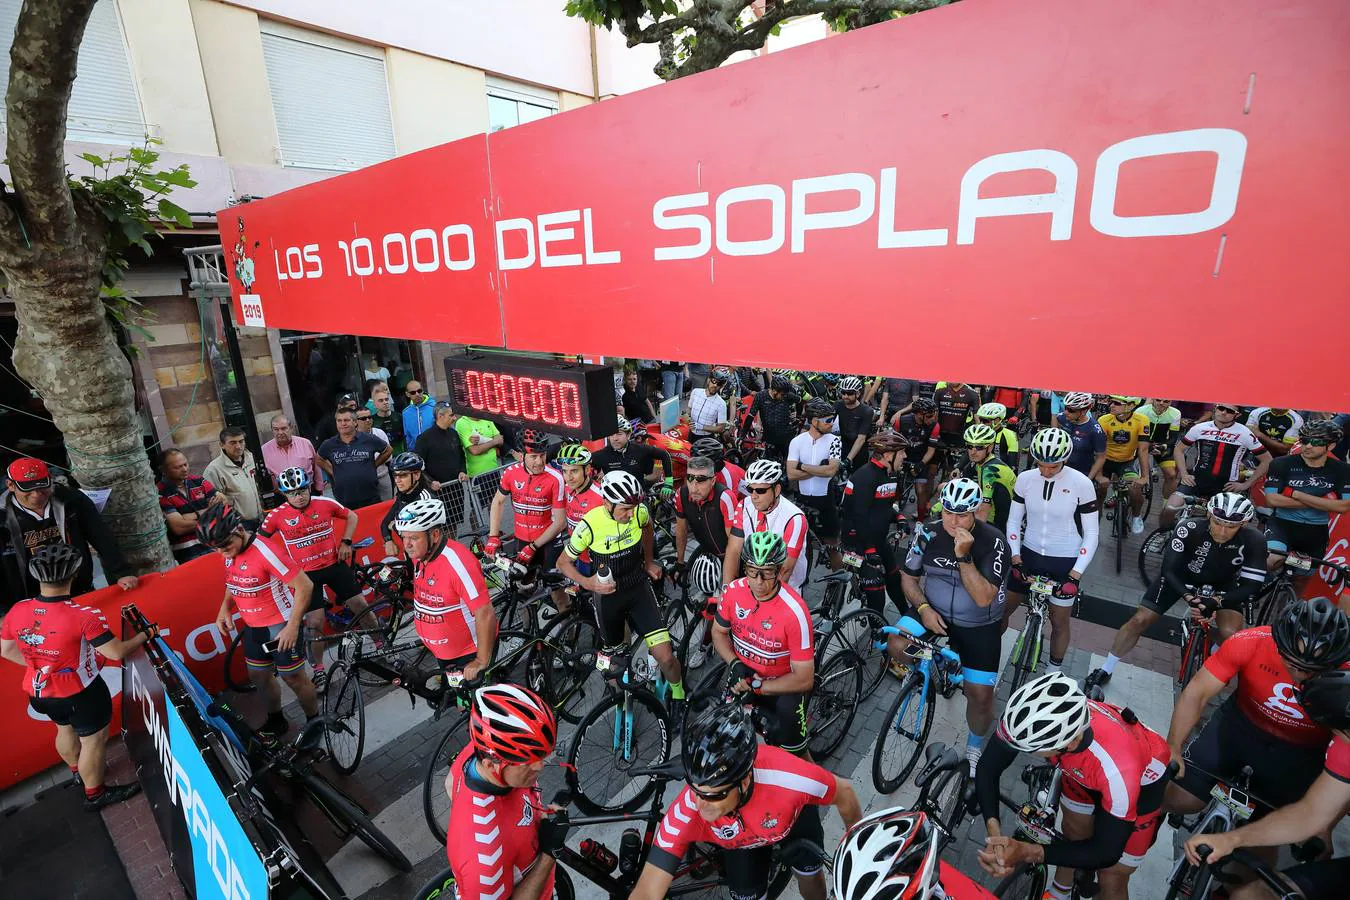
(572, 400)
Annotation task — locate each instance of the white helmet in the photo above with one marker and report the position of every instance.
(1078, 400)
(1051, 445)
(887, 855)
(1234, 509)
(1045, 714)
(764, 471)
(705, 575)
(621, 487)
(420, 515)
(850, 384)
(961, 495)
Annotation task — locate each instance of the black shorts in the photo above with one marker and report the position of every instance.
(1281, 772)
(636, 606)
(1284, 536)
(457, 664)
(338, 578)
(1033, 563)
(747, 870)
(284, 662)
(979, 647)
(1120, 467)
(88, 712)
(827, 518)
(1205, 487)
(787, 720)
(1321, 880)
(1160, 599)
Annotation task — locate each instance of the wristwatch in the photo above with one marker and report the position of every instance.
(347, 541)
(756, 683)
(965, 559)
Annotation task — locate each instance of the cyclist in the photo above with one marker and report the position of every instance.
(956, 403)
(1089, 441)
(729, 475)
(1113, 774)
(892, 854)
(500, 842)
(964, 565)
(705, 508)
(410, 484)
(768, 510)
(995, 417)
(1215, 552)
(1276, 429)
(619, 536)
(580, 495)
(812, 461)
(867, 513)
(995, 477)
(1220, 444)
(536, 493)
(1052, 532)
(774, 409)
(1164, 428)
(624, 453)
(1304, 490)
(1128, 454)
(272, 594)
(308, 528)
(452, 612)
(743, 797)
(919, 429)
(58, 642)
(854, 421)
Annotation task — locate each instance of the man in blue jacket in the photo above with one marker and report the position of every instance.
(419, 415)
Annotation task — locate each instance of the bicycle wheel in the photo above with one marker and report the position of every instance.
(1120, 525)
(345, 704)
(236, 669)
(577, 685)
(1276, 602)
(944, 798)
(1028, 881)
(379, 623)
(833, 703)
(1026, 652)
(1151, 554)
(860, 632)
(440, 886)
(903, 734)
(348, 815)
(625, 731)
(1148, 493)
(696, 649)
(435, 801)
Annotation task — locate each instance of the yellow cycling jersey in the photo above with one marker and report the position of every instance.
(1122, 438)
(610, 543)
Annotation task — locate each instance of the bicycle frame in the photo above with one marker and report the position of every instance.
(1039, 592)
(923, 650)
(623, 725)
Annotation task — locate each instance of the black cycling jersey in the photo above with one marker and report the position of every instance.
(1193, 559)
(954, 409)
(919, 435)
(776, 416)
(420, 492)
(867, 510)
(932, 556)
(854, 422)
(636, 459)
(707, 520)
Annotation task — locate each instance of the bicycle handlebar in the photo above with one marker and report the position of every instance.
(1272, 879)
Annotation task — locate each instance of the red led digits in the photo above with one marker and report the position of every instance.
(510, 395)
(569, 401)
(548, 401)
(527, 397)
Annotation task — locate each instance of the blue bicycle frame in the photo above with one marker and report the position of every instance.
(623, 724)
(909, 628)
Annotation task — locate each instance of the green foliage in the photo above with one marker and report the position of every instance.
(131, 194)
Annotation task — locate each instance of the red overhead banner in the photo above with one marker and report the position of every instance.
(992, 191)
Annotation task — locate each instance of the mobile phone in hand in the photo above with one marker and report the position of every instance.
(271, 646)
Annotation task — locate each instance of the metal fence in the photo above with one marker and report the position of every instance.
(469, 503)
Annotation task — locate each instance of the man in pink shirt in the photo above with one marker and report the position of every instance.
(287, 449)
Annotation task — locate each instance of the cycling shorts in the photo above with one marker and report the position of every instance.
(1284, 536)
(285, 662)
(338, 578)
(747, 870)
(1205, 487)
(457, 664)
(827, 521)
(1148, 815)
(979, 647)
(1159, 598)
(88, 712)
(1056, 567)
(1281, 772)
(787, 720)
(1321, 880)
(1120, 467)
(636, 606)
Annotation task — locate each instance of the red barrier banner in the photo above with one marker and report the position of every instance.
(184, 602)
(1338, 551)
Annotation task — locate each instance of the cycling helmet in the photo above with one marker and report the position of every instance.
(710, 447)
(1326, 699)
(621, 488)
(573, 455)
(1230, 508)
(1046, 713)
(512, 723)
(639, 430)
(850, 384)
(1127, 400)
(719, 746)
(891, 854)
(624, 425)
(961, 495)
(408, 462)
(992, 411)
(763, 549)
(720, 374)
(55, 563)
(216, 523)
(819, 409)
(781, 383)
(420, 515)
(764, 471)
(979, 435)
(1321, 430)
(1313, 635)
(532, 441)
(293, 479)
(1051, 445)
(923, 405)
(1078, 400)
(885, 441)
(705, 575)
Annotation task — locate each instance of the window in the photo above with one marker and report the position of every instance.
(511, 103)
(104, 107)
(330, 97)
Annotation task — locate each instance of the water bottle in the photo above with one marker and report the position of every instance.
(599, 854)
(604, 575)
(630, 851)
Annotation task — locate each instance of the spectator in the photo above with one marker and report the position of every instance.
(286, 449)
(381, 406)
(707, 409)
(672, 379)
(328, 427)
(374, 371)
(182, 497)
(636, 403)
(441, 449)
(39, 514)
(481, 440)
(418, 415)
(234, 473)
(352, 460)
(365, 423)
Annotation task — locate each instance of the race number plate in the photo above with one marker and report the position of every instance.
(851, 559)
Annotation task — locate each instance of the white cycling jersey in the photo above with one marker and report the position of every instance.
(1054, 516)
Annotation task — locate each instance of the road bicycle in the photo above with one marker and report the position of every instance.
(1155, 542)
(1117, 512)
(1195, 633)
(946, 790)
(936, 670)
(1026, 652)
(1280, 888)
(1279, 591)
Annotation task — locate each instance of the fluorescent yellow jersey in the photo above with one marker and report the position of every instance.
(1122, 438)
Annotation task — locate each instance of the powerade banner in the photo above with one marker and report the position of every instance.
(995, 191)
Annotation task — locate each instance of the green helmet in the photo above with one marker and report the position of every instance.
(979, 435)
(573, 455)
(764, 549)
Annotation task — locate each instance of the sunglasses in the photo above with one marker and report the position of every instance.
(712, 796)
(412, 393)
(1316, 442)
(825, 418)
(364, 418)
(1227, 409)
(698, 479)
(761, 574)
(763, 490)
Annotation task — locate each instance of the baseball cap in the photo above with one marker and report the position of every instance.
(30, 474)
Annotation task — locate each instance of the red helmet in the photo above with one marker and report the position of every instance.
(512, 723)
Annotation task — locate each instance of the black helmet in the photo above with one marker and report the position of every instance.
(710, 447)
(216, 523)
(720, 746)
(533, 441)
(1313, 635)
(1321, 430)
(885, 441)
(408, 462)
(781, 383)
(55, 563)
(817, 408)
(923, 405)
(1326, 699)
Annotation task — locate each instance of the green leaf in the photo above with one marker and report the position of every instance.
(776, 29)
(172, 212)
(671, 8)
(96, 161)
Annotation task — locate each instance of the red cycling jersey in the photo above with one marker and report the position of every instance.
(1338, 759)
(57, 639)
(1266, 694)
(767, 636)
(447, 590)
(579, 503)
(493, 838)
(784, 785)
(731, 477)
(957, 886)
(533, 497)
(257, 577)
(310, 535)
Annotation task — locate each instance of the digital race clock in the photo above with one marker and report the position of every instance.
(572, 400)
